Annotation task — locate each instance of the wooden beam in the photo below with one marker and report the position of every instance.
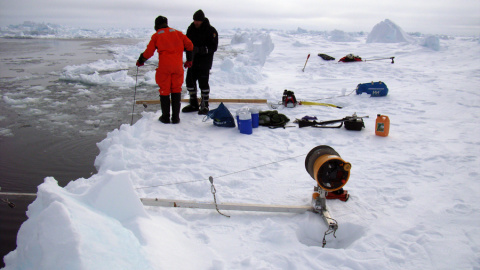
(224, 100)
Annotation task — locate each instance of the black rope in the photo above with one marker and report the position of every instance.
(192, 181)
(256, 167)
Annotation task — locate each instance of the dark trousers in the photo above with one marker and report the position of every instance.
(197, 75)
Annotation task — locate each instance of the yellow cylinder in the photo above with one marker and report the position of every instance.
(327, 168)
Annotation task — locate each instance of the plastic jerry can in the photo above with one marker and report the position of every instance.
(382, 125)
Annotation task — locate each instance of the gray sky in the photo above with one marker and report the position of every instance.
(460, 17)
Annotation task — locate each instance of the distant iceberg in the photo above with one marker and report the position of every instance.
(432, 42)
(388, 32)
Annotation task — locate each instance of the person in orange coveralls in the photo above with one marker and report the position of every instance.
(169, 44)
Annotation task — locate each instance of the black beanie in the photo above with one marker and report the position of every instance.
(159, 21)
(199, 16)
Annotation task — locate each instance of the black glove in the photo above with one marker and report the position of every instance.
(189, 55)
(141, 60)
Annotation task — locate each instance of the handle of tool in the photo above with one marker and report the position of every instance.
(303, 70)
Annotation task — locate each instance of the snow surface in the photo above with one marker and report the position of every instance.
(414, 195)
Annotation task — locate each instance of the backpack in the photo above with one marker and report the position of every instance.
(326, 57)
(288, 99)
(350, 58)
(272, 119)
(221, 116)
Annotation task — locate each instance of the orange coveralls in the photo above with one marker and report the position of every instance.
(170, 45)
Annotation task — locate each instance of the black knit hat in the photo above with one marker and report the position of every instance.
(159, 21)
(199, 15)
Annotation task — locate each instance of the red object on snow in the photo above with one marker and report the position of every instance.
(350, 58)
(343, 196)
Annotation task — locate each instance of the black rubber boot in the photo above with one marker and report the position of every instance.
(204, 103)
(193, 106)
(203, 108)
(165, 106)
(176, 99)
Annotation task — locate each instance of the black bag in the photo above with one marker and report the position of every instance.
(326, 57)
(354, 124)
(272, 119)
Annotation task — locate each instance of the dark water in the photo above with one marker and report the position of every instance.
(39, 139)
(26, 159)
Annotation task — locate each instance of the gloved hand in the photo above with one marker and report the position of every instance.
(188, 64)
(141, 60)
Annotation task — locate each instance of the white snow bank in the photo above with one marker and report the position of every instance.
(67, 219)
(103, 209)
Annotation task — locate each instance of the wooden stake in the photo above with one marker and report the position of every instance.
(303, 70)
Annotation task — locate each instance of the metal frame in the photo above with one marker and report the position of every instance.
(318, 205)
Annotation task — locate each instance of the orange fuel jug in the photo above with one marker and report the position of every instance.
(382, 125)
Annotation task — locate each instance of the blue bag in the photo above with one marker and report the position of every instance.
(221, 116)
(374, 89)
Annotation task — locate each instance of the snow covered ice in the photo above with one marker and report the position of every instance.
(414, 195)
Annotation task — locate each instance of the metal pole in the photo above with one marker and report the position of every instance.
(134, 95)
(226, 206)
(382, 59)
(199, 205)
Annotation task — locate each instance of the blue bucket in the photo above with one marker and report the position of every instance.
(255, 117)
(245, 123)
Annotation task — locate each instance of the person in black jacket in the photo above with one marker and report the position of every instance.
(205, 42)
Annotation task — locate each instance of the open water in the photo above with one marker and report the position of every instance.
(43, 127)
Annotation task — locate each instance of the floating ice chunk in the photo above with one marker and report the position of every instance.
(432, 42)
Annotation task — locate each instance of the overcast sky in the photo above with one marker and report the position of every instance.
(461, 17)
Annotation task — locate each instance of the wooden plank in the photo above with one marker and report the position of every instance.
(147, 102)
(226, 206)
(225, 100)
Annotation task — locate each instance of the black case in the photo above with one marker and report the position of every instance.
(354, 124)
